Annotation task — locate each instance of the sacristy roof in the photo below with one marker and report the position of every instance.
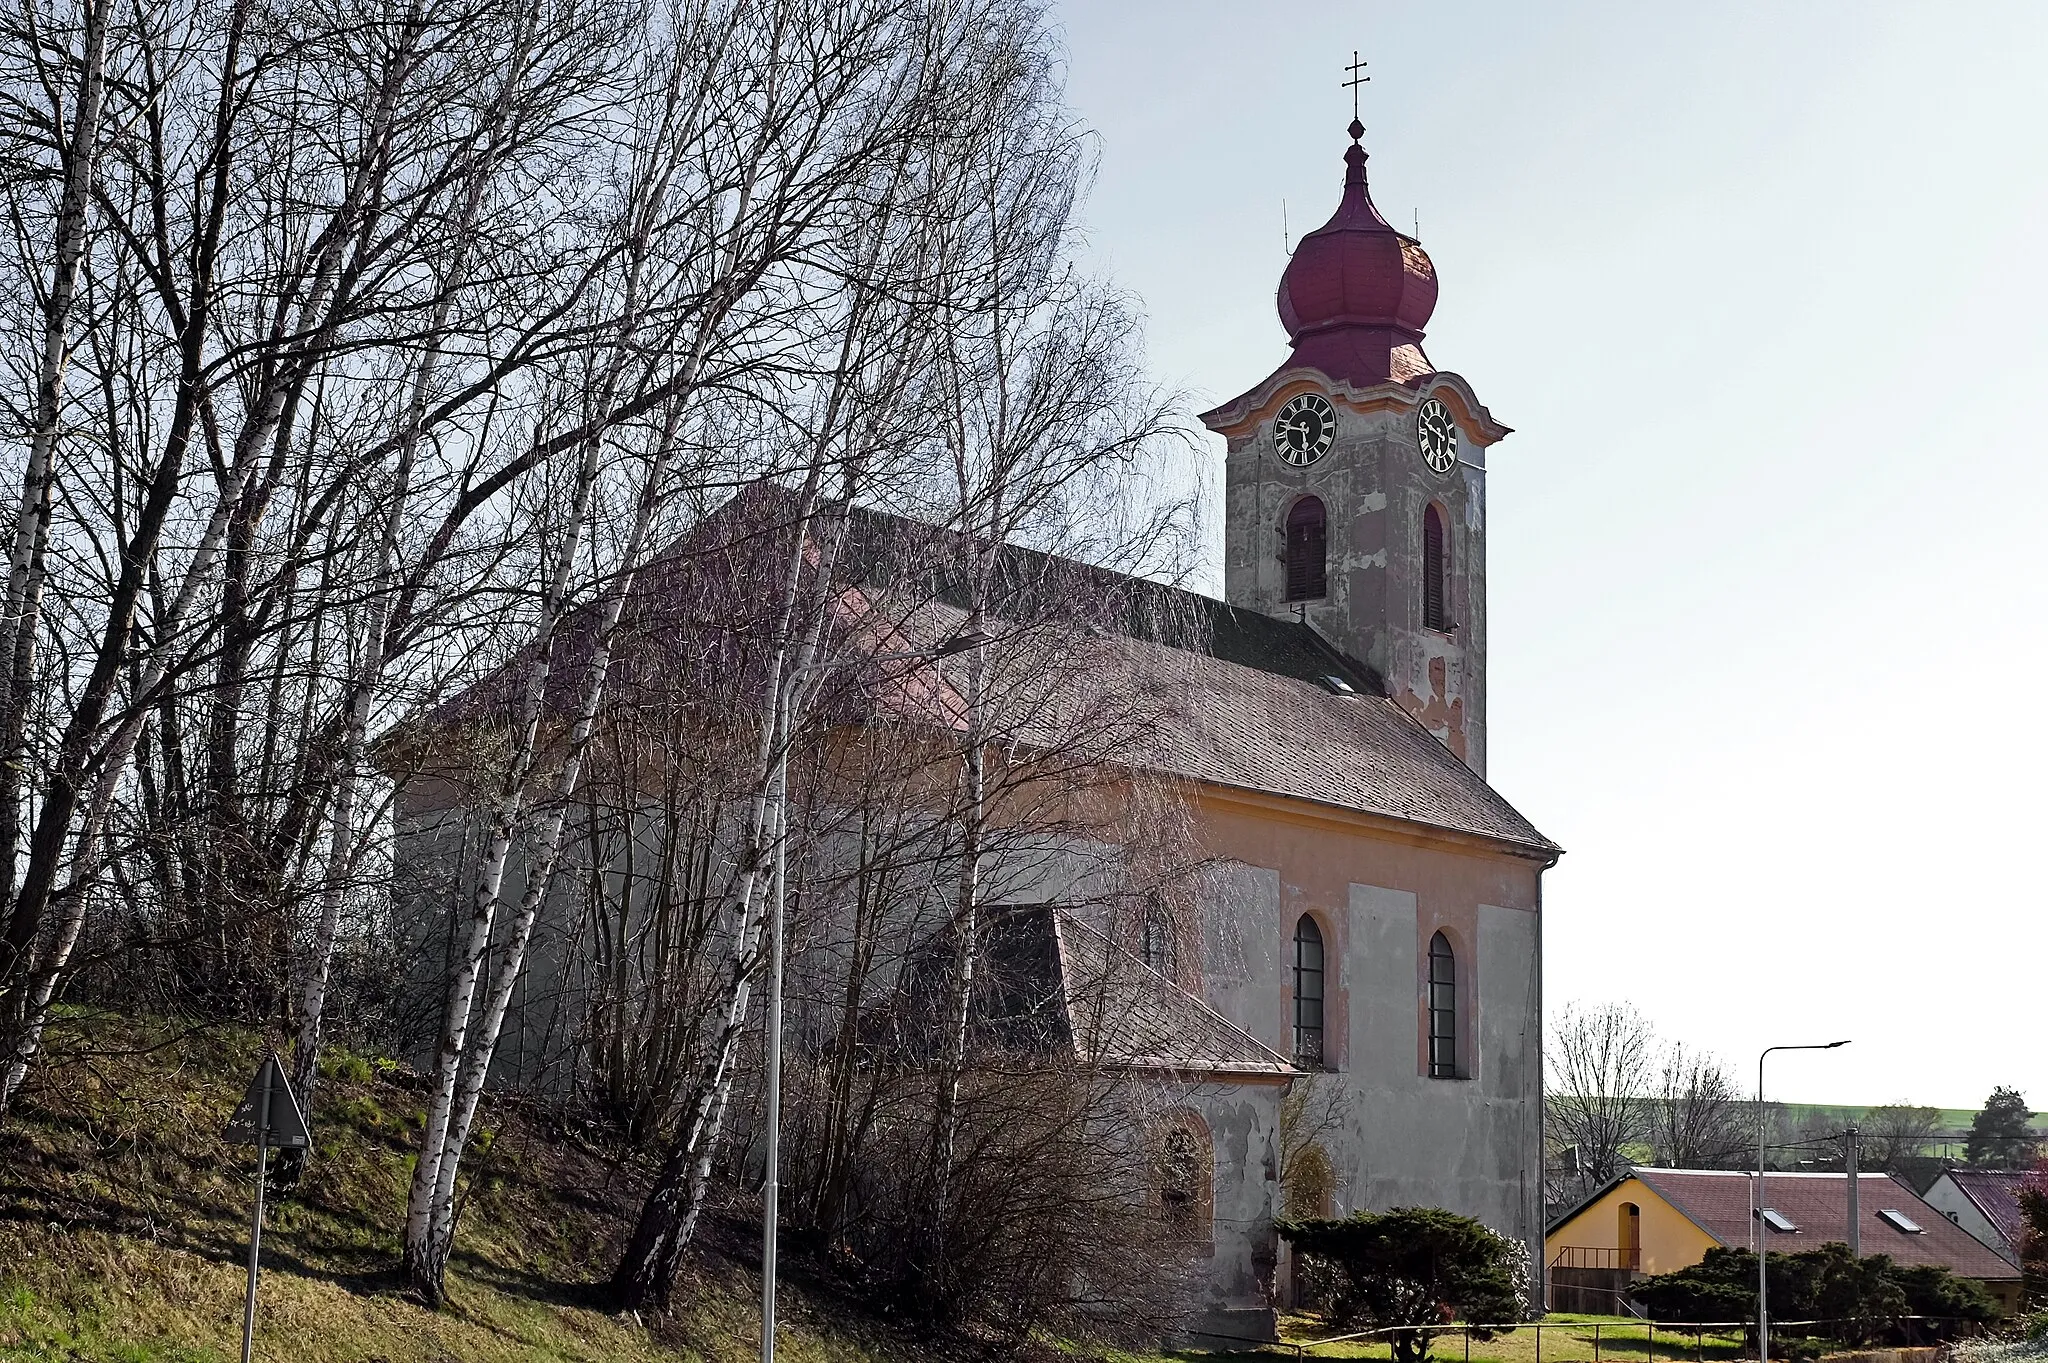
(1049, 984)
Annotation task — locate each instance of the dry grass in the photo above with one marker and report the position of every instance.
(124, 1229)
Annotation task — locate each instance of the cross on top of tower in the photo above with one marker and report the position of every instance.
(1358, 78)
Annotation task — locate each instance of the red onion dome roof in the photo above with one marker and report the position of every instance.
(1356, 277)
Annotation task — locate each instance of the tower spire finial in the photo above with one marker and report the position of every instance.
(1358, 78)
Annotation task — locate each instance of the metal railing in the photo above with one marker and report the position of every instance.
(1679, 1334)
(1593, 1256)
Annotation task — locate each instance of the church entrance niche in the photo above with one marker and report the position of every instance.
(1308, 542)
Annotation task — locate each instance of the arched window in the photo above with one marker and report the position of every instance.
(1443, 1009)
(1156, 939)
(1308, 993)
(1308, 542)
(1436, 568)
(1187, 1173)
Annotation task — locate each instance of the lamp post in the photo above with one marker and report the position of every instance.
(1763, 1227)
(778, 802)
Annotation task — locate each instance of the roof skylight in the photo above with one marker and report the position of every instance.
(1778, 1221)
(1898, 1220)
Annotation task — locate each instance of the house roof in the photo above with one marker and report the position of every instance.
(1996, 1193)
(1718, 1202)
(1048, 983)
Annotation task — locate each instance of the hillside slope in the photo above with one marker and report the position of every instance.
(124, 1229)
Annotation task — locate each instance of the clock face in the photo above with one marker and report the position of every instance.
(1304, 429)
(1437, 432)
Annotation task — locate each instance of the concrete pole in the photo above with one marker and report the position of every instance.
(772, 1187)
(1855, 1215)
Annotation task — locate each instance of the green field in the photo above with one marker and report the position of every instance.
(1564, 1339)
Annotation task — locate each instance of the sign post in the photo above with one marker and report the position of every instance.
(268, 1117)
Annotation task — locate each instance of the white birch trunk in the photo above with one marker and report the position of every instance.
(22, 614)
(424, 1265)
(83, 866)
(370, 670)
(512, 959)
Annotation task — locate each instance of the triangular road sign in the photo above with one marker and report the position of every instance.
(287, 1125)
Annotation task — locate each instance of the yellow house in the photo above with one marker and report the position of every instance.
(1652, 1221)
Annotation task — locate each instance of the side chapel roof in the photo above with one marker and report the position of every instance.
(1047, 983)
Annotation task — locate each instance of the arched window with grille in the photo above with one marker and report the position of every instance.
(1443, 1009)
(1308, 993)
(1187, 1177)
(1308, 545)
(1156, 939)
(1436, 568)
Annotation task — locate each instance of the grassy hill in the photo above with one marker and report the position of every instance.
(124, 1230)
(1948, 1144)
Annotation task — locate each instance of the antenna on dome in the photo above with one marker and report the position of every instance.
(1358, 78)
(1286, 237)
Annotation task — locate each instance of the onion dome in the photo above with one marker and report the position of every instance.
(1357, 293)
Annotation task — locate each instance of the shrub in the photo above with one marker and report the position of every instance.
(1867, 1297)
(1417, 1267)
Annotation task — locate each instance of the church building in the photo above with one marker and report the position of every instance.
(1397, 895)
(1370, 907)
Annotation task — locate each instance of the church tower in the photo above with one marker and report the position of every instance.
(1355, 478)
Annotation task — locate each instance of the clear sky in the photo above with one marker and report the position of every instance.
(1763, 289)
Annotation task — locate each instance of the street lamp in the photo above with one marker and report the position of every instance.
(778, 799)
(1763, 1227)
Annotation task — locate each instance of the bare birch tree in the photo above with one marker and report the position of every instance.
(261, 320)
(1700, 1120)
(1600, 1068)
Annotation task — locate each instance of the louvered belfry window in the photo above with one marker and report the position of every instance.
(1308, 542)
(1435, 568)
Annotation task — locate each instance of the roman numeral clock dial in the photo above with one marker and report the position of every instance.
(1436, 430)
(1305, 429)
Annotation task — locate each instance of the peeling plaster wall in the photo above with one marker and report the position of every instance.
(1471, 1144)
(1374, 486)
(1234, 1294)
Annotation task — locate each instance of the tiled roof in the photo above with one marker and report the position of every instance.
(1996, 1192)
(1244, 700)
(1718, 1202)
(1049, 984)
(1258, 711)
(1121, 1011)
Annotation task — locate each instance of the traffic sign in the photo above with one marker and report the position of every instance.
(287, 1125)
